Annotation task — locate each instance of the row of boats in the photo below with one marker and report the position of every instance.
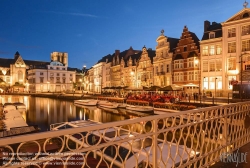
(113, 105)
(16, 105)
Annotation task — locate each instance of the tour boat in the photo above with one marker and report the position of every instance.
(9, 106)
(89, 102)
(109, 105)
(122, 105)
(140, 108)
(19, 105)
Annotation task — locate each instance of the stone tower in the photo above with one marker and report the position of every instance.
(60, 57)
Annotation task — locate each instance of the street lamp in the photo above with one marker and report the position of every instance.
(215, 89)
(48, 85)
(241, 75)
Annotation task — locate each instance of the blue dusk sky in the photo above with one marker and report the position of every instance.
(89, 29)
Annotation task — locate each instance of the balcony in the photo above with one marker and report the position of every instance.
(186, 136)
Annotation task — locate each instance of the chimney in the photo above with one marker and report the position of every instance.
(117, 52)
(206, 25)
(213, 23)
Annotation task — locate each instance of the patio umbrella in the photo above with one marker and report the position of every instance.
(153, 88)
(171, 88)
(191, 85)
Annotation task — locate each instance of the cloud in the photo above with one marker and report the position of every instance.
(73, 14)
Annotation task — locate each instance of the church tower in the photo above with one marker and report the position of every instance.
(60, 57)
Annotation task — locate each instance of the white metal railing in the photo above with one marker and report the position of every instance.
(195, 138)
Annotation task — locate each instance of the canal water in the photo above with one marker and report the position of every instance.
(46, 111)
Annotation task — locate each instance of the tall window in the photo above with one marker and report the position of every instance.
(246, 45)
(218, 49)
(167, 68)
(41, 79)
(196, 75)
(178, 64)
(245, 30)
(191, 75)
(205, 50)
(212, 50)
(161, 68)
(205, 83)
(178, 76)
(205, 66)
(20, 77)
(232, 47)
(212, 66)
(232, 32)
(190, 62)
(218, 65)
(232, 63)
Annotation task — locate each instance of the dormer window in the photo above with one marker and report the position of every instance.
(211, 35)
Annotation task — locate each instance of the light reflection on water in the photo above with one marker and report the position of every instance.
(46, 111)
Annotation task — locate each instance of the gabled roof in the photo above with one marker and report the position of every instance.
(214, 27)
(172, 43)
(195, 38)
(5, 62)
(240, 15)
(109, 57)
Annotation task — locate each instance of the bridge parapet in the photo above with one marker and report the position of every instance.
(188, 138)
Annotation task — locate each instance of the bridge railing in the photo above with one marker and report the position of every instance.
(193, 138)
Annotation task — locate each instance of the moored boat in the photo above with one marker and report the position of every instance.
(88, 102)
(140, 108)
(109, 105)
(9, 106)
(19, 105)
(122, 105)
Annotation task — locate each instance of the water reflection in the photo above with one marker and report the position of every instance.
(46, 111)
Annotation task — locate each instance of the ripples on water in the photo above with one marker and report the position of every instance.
(46, 111)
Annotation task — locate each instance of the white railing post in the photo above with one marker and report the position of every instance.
(155, 143)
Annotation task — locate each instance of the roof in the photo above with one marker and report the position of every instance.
(214, 27)
(4, 62)
(195, 38)
(172, 43)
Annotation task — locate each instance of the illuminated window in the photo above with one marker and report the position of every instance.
(246, 45)
(232, 47)
(205, 66)
(218, 49)
(212, 66)
(218, 64)
(191, 75)
(232, 63)
(212, 50)
(232, 32)
(205, 50)
(245, 30)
